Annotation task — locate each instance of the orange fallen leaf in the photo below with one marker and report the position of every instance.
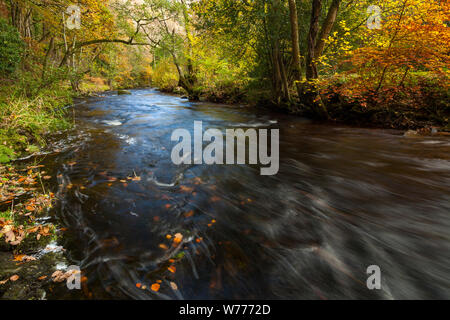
(18, 257)
(163, 246)
(46, 177)
(186, 189)
(172, 269)
(139, 285)
(178, 238)
(42, 278)
(215, 199)
(155, 287)
(189, 214)
(167, 206)
(168, 236)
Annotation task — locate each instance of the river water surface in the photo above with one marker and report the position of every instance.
(343, 200)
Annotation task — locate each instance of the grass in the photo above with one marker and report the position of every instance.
(7, 215)
(25, 121)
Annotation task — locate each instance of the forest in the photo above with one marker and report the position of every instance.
(361, 64)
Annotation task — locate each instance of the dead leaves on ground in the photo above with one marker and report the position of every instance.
(23, 258)
(18, 187)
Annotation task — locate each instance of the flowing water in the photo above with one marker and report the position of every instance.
(343, 200)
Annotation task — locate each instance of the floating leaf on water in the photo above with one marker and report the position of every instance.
(155, 287)
(172, 269)
(174, 286)
(186, 189)
(178, 238)
(139, 285)
(180, 255)
(189, 214)
(163, 246)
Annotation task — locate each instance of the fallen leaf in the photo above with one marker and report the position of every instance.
(186, 189)
(163, 246)
(174, 286)
(14, 278)
(178, 238)
(155, 287)
(172, 269)
(138, 285)
(42, 278)
(189, 214)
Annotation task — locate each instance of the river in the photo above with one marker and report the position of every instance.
(344, 199)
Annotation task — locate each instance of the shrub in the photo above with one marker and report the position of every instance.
(11, 48)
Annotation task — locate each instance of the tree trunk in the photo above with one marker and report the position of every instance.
(327, 27)
(309, 90)
(297, 68)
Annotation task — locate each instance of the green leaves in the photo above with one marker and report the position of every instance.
(11, 48)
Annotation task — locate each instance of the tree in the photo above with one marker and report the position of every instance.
(11, 48)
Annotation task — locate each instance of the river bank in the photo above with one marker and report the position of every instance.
(31, 129)
(432, 118)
